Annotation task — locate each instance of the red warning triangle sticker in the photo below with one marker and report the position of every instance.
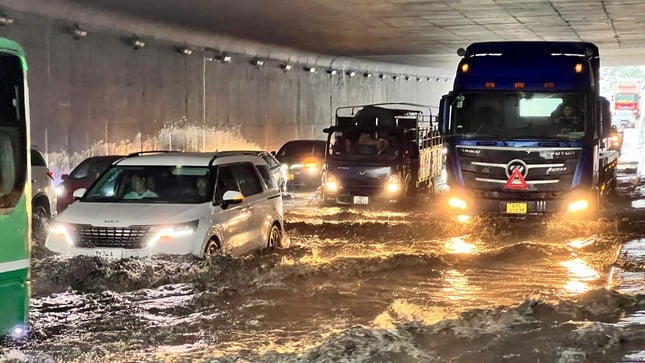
(516, 181)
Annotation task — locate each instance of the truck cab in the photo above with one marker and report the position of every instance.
(526, 130)
(381, 152)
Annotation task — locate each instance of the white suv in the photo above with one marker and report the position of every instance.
(173, 203)
(43, 195)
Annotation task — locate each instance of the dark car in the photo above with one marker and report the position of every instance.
(304, 160)
(83, 176)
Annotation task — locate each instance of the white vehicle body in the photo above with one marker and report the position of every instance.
(43, 195)
(238, 214)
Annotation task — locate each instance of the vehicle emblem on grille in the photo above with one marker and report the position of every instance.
(111, 221)
(362, 172)
(516, 164)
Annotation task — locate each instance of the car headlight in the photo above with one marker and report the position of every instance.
(165, 232)
(60, 229)
(312, 166)
(60, 190)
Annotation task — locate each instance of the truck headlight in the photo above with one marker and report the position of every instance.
(170, 231)
(62, 230)
(456, 202)
(331, 185)
(578, 205)
(393, 184)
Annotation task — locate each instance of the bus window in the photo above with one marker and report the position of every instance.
(13, 130)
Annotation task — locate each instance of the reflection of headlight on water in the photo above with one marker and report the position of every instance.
(459, 246)
(19, 332)
(580, 273)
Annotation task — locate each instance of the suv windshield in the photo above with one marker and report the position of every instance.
(519, 115)
(153, 184)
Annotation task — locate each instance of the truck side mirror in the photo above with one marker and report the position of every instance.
(605, 117)
(444, 114)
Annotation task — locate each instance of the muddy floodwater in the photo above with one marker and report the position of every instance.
(361, 284)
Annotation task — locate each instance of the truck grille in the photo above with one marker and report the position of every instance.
(131, 237)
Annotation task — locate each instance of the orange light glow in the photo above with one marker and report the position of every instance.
(490, 85)
(579, 68)
(549, 85)
(519, 84)
(464, 67)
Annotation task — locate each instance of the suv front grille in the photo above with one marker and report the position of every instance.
(131, 237)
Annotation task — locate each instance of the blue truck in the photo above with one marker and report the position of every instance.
(526, 131)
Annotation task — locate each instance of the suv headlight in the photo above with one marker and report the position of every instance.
(164, 232)
(61, 229)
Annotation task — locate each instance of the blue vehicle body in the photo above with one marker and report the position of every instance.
(534, 107)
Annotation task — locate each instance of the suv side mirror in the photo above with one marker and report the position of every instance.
(231, 197)
(605, 117)
(79, 193)
(444, 114)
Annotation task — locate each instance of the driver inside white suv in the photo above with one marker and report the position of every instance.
(173, 203)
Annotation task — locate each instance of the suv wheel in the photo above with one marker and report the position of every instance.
(39, 221)
(212, 248)
(275, 237)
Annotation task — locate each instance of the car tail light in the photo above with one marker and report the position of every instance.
(50, 174)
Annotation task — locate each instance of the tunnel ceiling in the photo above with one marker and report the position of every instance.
(418, 32)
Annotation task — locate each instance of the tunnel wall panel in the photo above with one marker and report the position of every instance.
(98, 95)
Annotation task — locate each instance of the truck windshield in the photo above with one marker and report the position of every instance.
(518, 115)
(626, 97)
(366, 145)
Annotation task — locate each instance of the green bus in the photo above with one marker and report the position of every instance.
(15, 191)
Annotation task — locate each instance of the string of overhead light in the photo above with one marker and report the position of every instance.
(79, 32)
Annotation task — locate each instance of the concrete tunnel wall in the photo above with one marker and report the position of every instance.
(98, 95)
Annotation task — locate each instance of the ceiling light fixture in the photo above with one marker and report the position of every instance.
(185, 51)
(286, 67)
(5, 19)
(223, 58)
(350, 73)
(257, 62)
(138, 43)
(367, 74)
(310, 69)
(79, 32)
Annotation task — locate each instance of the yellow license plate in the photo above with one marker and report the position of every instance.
(516, 208)
(292, 176)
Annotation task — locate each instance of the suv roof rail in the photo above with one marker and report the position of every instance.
(139, 153)
(212, 160)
